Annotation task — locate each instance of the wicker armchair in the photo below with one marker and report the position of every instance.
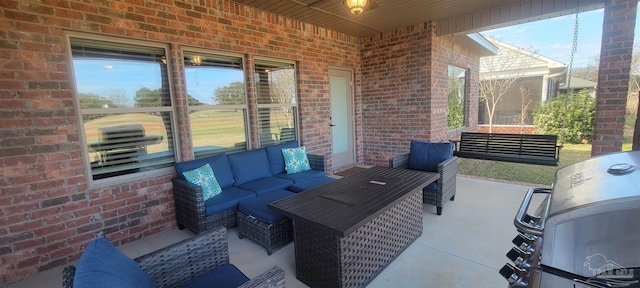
(190, 209)
(446, 184)
(180, 263)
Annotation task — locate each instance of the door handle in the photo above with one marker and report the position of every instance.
(331, 125)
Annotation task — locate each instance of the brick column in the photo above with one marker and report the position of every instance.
(613, 80)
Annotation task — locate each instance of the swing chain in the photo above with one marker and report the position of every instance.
(574, 49)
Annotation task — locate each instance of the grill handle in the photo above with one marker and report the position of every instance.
(520, 220)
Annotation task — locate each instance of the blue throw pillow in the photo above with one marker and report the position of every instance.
(274, 152)
(219, 163)
(102, 265)
(203, 176)
(295, 160)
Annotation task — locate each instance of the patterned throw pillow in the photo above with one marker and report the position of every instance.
(295, 160)
(203, 177)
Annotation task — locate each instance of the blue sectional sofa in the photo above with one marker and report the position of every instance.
(241, 176)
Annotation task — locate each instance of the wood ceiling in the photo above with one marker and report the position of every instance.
(452, 16)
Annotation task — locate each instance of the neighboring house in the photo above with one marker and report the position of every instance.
(527, 78)
(578, 84)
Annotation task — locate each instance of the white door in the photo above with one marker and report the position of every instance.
(342, 118)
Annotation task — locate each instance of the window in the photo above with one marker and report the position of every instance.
(217, 103)
(277, 105)
(125, 105)
(457, 95)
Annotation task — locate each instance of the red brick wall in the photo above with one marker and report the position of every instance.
(508, 129)
(47, 212)
(615, 59)
(404, 90)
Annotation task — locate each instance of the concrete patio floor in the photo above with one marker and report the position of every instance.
(464, 247)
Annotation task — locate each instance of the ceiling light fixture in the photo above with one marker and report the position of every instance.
(356, 6)
(196, 60)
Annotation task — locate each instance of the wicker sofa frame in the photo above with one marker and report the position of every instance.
(192, 258)
(190, 211)
(446, 191)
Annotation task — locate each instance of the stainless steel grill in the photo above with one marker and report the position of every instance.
(586, 232)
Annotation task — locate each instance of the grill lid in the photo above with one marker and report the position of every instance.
(599, 179)
(594, 214)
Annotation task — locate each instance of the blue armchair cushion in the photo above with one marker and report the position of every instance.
(426, 156)
(249, 165)
(257, 206)
(102, 265)
(276, 160)
(225, 276)
(228, 199)
(295, 160)
(203, 176)
(219, 164)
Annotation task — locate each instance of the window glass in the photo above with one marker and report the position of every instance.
(125, 103)
(217, 103)
(277, 102)
(457, 95)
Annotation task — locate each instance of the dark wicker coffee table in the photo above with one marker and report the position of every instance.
(346, 232)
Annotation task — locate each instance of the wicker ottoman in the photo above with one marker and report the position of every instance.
(263, 226)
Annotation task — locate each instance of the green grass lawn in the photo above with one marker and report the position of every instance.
(525, 173)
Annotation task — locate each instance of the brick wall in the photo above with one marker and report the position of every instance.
(47, 212)
(404, 90)
(615, 59)
(508, 129)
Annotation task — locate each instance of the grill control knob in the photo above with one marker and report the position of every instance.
(524, 243)
(520, 258)
(516, 277)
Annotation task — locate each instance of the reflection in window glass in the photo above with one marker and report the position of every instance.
(217, 103)
(125, 104)
(457, 94)
(276, 94)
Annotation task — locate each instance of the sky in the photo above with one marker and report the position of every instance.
(553, 37)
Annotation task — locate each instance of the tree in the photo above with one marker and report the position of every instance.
(146, 97)
(229, 95)
(589, 72)
(90, 100)
(526, 100)
(282, 90)
(499, 73)
(570, 116)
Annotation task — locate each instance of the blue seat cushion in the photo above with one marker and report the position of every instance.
(102, 265)
(310, 184)
(249, 165)
(263, 185)
(426, 156)
(274, 152)
(229, 198)
(219, 164)
(225, 276)
(257, 206)
(433, 187)
(301, 176)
